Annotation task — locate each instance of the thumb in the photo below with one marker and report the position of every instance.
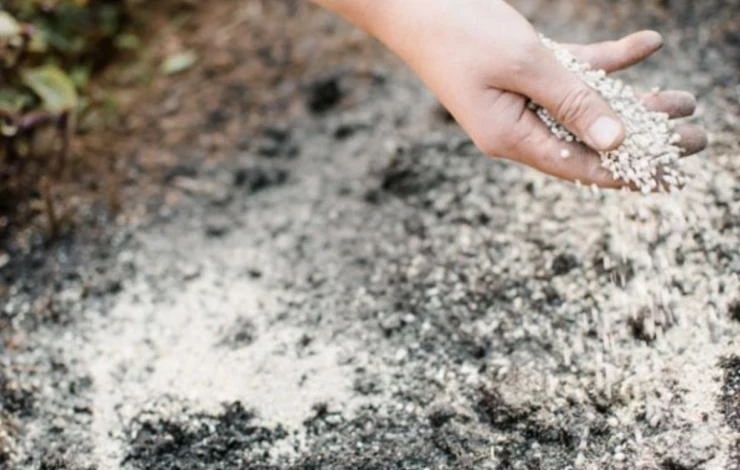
(572, 103)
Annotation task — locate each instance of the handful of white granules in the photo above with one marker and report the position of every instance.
(649, 158)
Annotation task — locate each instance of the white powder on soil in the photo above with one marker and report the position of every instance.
(155, 355)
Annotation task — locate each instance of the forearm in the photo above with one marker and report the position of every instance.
(404, 26)
(362, 13)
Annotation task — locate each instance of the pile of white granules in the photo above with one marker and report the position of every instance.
(649, 158)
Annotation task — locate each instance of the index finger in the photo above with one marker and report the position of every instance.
(612, 56)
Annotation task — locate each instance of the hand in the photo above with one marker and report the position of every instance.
(484, 61)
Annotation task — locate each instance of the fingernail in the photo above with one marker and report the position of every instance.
(605, 132)
(654, 40)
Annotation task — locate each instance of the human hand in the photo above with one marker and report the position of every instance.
(484, 61)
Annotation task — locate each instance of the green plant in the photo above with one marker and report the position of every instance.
(48, 51)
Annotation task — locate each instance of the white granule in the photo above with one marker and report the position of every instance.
(565, 153)
(648, 158)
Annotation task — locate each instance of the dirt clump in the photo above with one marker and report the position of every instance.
(223, 441)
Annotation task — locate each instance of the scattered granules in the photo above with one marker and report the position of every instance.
(649, 158)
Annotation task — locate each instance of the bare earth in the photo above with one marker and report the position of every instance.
(315, 269)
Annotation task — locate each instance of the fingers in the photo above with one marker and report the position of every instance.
(531, 142)
(612, 56)
(679, 104)
(573, 103)
(570, 101)
(676, 104)
(693, 139)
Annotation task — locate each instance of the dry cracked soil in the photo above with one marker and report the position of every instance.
(328, 275)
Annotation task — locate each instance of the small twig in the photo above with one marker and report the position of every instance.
(32, 120)
(51, 215)
(64, 125)
(113, 193)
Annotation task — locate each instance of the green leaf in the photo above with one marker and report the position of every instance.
(80, 75)
(9, 27)
(13, 101)
(177, 63)
(38, 44)
(53, 86)
(128, 41)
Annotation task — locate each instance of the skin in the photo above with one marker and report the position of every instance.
(484, 61)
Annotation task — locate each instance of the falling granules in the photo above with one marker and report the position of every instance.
(669, 289)
(649, 158)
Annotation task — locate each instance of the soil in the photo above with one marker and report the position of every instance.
(313, 268)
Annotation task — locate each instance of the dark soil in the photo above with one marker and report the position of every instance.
(204, 442)
(731, 397)
(731, 391)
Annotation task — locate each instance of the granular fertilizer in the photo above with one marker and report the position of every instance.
(649, 158)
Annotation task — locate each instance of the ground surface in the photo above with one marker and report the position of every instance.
(315, 269)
